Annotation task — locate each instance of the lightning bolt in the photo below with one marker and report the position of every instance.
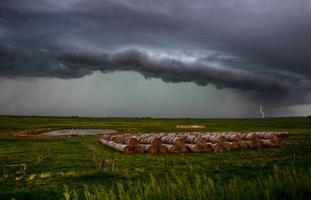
(263, 114)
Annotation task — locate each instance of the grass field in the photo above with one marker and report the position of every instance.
(82, 168)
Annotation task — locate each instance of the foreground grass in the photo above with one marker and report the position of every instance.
(286, 184)
(85, 167)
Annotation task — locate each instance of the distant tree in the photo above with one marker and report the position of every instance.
(309, 117)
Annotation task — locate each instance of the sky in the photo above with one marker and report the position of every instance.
(148, 58)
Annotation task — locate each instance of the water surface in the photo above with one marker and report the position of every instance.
(63, 132)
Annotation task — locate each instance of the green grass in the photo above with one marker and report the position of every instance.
(84, 166)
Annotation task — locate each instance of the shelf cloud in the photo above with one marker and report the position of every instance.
(68, 64)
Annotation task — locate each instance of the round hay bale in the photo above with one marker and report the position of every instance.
(270, 143)
(131, 141)
(271, 136)
(150, 148)
(259, 143)
(233, 137)
(243, 144)
(207, 148)
(233, 145)
(119, 147)
(156, 141)
(194, 148)
(162, 149)
(139, 149)
(226, 146)
(251, 144)
(216, 147)
(251, 136)
(184, 149)
(171, 148)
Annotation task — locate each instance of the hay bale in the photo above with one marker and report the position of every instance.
(106, 137)
(119, 147)
(232, 137)
(251, 143)
(220, 139)
(125, 139)
(162, 149)
(131, 140)
(171, 148)
(207, 148)
(154, 140)
(139, 149)
(226, 146)
(270, 143)
(259, 143)
(194, 139)
(243, 144)
(173, 139)
(249, 136)
(216, 147)
(194, 148)
(267, 135)
(184, 149)
(149, 148)
(233, 145)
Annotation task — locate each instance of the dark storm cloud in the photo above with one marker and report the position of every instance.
(269, 41)
(72, 63)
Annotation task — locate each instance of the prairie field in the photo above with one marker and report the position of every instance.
(79, 167)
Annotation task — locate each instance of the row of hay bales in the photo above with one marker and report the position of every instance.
(191, 141)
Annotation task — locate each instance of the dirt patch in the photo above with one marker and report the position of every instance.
(190, 126)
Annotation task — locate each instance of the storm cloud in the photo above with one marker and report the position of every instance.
(258, 47)
(73, 64)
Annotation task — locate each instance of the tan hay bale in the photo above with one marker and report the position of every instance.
(106, 137)
(207, 148)
(233, 145)
(226, 146)
(259, 143)
(125, 139)
(156, 141)
(267, 135)
(151, 139)
(199, 141)
(149, 148)
(232, 137)
(162, 149)
(251, 143)
(243, 144)
(249, 136)
(171, 139)
(194, 148)
(139, 149)
(260, 135)
(220, 139)
(270, 143)
(216, 147)
(119, 147)
(189, 138)
(184, 149)
(171, 148)
(131, 141)
(194, 139)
